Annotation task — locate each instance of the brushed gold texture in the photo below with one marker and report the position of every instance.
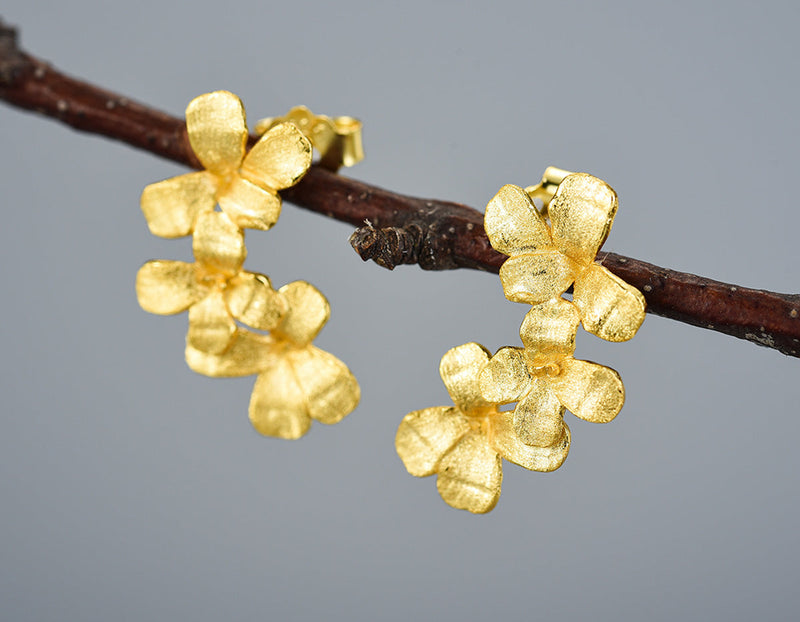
(245, 185)
(464, 444)
(589, 391)
(296, 382)
(545, 259)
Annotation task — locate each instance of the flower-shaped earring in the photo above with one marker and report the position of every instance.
(215, 289)
(244, 184)
(544, 378)
(544, 261)
(464, 444)
(297, 382)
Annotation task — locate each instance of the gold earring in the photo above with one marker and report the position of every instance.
(549, 251)
(296, 382)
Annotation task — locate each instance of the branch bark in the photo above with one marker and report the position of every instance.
(394, 229)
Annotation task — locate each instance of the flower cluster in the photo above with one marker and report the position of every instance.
(296, 382)
(464, 444)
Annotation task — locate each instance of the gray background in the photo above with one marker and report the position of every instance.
(133, 489)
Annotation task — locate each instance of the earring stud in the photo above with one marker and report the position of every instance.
(337, 139)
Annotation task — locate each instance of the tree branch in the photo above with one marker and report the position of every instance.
(394, 229)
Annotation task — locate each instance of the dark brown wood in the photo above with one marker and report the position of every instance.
(394, 229)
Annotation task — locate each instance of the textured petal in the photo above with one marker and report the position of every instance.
(211, 328)
(513, 223)
(538, 418)
(250, 353)
(167, 287)
(506, 442)
(548, 331)
(329, 387)
(460, 369)
(218, 244)
(424, 436)
(277, 405)
(505, 378)
(537, 277)
(470, 475)
(279, 159)
(248, 205)
(252, 301)
(590, 391)
(171, 206)
(217, 130)
(581, 214)
(307, 314)
(610, 308)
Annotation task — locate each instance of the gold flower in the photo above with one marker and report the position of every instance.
(245, 186)
(544, 261)
(464, 444)
(214, 289)
(296, 382)
(544, 378)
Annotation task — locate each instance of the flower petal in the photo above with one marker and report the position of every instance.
(548, 331)
(217, 130)
(505, 378)
(329, 387)
(581, 214)
(167, 287)
(590, 391)
(250, 206)
(513, 223)
(252, 301)
(610, 308)
(279, 159)
(460, 369)
(307, 314)
(537, 277)
(218, 244)
(211, 328)
(277, 405)
(171, 206)
(250, 353)
(538, 418)
(470, 475)
(424, 436)
(506, 442)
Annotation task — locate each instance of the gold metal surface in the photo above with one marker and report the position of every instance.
(245, 186)
(550, 249)
(545, 260)
(296, 382)
(337, 139)
(463, 444)
(588, 390)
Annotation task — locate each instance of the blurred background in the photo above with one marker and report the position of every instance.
(133, 489)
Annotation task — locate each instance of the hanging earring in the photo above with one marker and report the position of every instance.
(296, 382)
(549, 251)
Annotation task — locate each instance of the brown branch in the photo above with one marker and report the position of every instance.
(394, 229)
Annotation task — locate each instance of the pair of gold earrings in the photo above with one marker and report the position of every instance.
(239, 325)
